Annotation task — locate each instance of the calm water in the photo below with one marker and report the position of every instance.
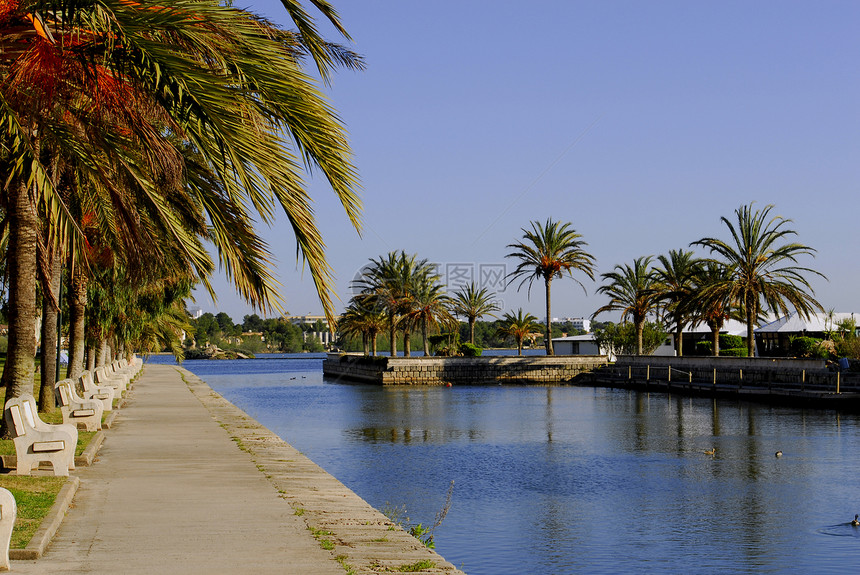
(576, 480)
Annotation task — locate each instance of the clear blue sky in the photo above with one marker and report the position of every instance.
(641, 123)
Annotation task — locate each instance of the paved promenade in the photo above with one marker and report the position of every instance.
(187, 483)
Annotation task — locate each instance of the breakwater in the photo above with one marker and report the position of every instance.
(384, 370)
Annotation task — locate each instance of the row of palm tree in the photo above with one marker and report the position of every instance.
(404, 294)
(136, 132)
(401, 293)
(754, 272)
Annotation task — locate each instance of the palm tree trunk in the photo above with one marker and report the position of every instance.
(365, 343)
(77, 313)
(101, 354)
(520, 345)
(373, 341)
(392, 334)
(21, 264)
(91, 359)
(407, 343)
(472, 330)
(715, 340)
(750, 333)
(50, 335)
(679, 339)
(640, 327)
(424, 337)
(548, 343)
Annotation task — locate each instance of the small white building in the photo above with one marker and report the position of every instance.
(578, 345)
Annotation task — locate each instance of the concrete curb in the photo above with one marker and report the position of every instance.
(50, 523)
(85, 459)
(110, 418)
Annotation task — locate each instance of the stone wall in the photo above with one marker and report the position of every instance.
(460, 370)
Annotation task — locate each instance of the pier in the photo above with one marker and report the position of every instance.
(485, 370)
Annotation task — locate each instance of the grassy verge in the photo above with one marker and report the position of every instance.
(34, 496)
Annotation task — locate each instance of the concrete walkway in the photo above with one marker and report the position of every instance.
(186, 482)
(171, 493)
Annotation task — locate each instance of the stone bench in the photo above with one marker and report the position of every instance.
(77, 410)
(8, 513)
(104, 376)
(103, 393)
(36, 441)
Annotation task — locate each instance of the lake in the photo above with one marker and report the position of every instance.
(553, 480)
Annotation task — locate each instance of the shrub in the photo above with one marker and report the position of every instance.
(849, 347)
(703, 348)
(734, 352)
(805, 347)
(728, 341)
(469, 350)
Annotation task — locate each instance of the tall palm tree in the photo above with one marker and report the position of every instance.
(473, 303)
(358, 320)
(549, 251)
(631, 290)
(675, 285)
(389, 284)
(761, 260)
(519, 327)
(223, 89)
(430, 309)
(712, 306)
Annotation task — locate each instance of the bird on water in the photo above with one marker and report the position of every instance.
(778, 454)
(711, 451)
(856, 521)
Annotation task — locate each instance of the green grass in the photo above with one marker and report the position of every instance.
(350, 570)
(320, 535)
(34, 497)
(417, 566)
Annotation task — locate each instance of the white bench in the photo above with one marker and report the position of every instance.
(8, 512)
(103, 376)
(103, 393)
(36, 441)
(77, 410)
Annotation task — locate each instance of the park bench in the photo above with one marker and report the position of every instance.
(36, 441)
(103, 376)
(77, 410)
(103, 393)
(8, 512)
(122, 368)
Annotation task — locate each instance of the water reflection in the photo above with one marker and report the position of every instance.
(568, 480)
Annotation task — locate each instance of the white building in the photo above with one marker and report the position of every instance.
(576, 345)
(579, 323)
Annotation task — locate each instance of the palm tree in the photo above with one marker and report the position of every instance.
(389, 284)
(519, 327)
(358, 320)
(430, 309)
(675, 287)
(711, 306)
(763, 274)
(473, 303)
(632, 292)
(549, 251)
(225, 92)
